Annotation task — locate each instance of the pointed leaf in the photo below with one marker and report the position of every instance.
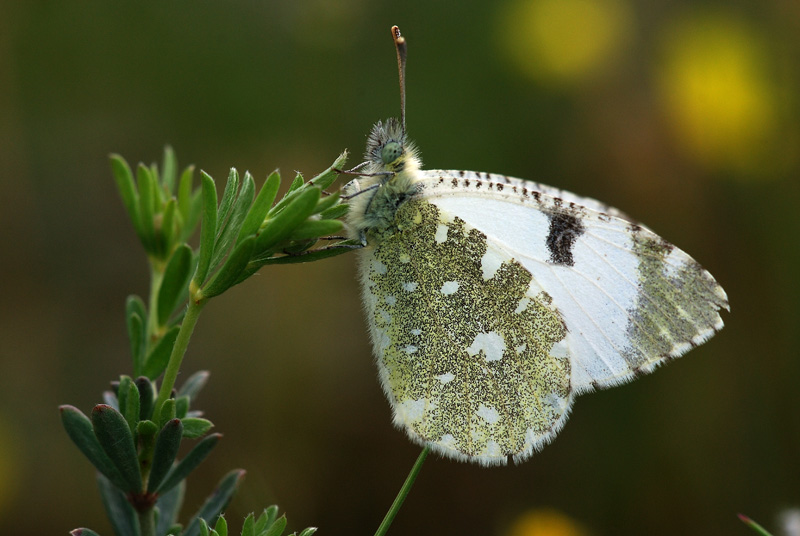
(147, 203)
(199, 453)
(169, 505)
(335, 212)
(119, 511)
(277, 528)
(264, 200)
(249, 525)
(146, 397)
(208, 228)
(181, 406)
(230, 271)
(131, 407)
(230, 228)
(308, 531)
(217, 502)
(279, 227)
(173, 286)
(297, 182)
(83, 532)
(194, 427)
(311, 229)
(167, 229)
(169, 169)
(159, 356)
(221, 527)
(114, 435)
(228, 197)
(185, 200)
(167, 444)
(79, 429)
(194, 384)
(326, 202)
(327, 177)
(127, 190)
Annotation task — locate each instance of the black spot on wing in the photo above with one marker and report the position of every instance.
(565, 229)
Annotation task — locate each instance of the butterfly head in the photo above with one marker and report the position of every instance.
(389, 150)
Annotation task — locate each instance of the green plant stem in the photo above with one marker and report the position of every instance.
(401, 495)
(147, 522)
(176, 357)
(156, 276)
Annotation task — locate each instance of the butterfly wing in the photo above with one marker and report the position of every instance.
(469, 348)
(629, 299)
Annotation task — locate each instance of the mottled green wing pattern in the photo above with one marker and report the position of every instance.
(469, 348)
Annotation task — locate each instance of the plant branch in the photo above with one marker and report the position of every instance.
(401, 495)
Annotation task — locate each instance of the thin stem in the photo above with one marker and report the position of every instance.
(176, 357)
(401, 495)
(147, 522)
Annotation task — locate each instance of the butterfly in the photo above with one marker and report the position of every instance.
(492, 301)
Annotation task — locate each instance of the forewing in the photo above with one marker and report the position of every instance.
(470, 350)
(629, 299)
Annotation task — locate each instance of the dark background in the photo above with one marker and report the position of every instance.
(683, 114)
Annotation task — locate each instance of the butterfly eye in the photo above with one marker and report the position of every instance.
(391, 152)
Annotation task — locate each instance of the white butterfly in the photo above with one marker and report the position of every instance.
(493, 301)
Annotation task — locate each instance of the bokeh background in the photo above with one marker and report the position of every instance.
(684, 114)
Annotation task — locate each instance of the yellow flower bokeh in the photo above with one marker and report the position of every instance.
(718, 93)
(545, 522)
(563, 42)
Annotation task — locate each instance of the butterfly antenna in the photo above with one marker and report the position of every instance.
(400, 45)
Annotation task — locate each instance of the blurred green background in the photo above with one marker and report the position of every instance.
(683, 114)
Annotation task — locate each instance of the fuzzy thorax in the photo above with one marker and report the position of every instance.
(389, 178)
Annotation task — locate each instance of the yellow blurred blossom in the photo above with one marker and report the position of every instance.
(545, 522)
(716, 89)
(562, 42)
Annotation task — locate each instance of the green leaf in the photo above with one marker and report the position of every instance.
(185, 200)
(83, 532)
(167, 412)
(114, 436)
(123, 176)
(277, 528)
(79, 429)
(119, 511)
(267, 518)
(260, 208)
(228, 197)
(335, 212)
(309, 256)
(327, 177)
(173, 286)
(146, 397)
(136, 336)
(758, 529)
(326, 202)
(217, 502)
(167, 229)
(188, 464)
(221, 526)
(167, 444)
(278, 228)
(129, 404)
(146, 428)
(228, 275)
(147, 197)
(230, 227)
(311, 229)
(208, 229)
(169, 169)
(297, 182)
(192, 386)
(159, 356)
(169, 505)
(249, 525)
(181, 406)
(308, 531)
(136, 319)
(194, 427)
